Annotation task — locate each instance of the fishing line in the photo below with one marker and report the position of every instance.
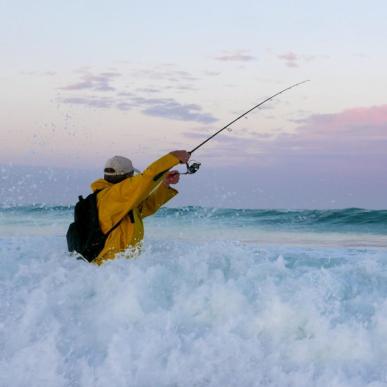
(194, 166)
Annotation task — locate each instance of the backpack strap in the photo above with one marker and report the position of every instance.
(131, 216)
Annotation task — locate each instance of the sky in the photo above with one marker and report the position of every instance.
(82, 81)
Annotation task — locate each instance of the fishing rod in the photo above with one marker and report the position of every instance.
(194, 166)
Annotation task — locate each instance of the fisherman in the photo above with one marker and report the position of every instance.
(109, 220)
(125, 199)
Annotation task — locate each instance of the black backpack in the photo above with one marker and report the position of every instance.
(84, 235)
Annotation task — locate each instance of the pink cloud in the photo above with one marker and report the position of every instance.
(235, 56)
(291, 59)
(289, 56)
(353, 140)
(368, 123)
(368, 116)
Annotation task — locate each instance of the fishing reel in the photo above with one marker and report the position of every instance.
(192, 168)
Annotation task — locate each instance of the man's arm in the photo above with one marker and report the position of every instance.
(120, 198)
(162, 194)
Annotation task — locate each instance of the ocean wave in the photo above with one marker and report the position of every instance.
(339, 216)
(349, 219)
(196, 314)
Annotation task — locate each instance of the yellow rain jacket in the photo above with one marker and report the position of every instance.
(131, 200)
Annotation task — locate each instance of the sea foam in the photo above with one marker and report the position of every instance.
(192, 312)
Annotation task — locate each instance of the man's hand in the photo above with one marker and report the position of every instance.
(171, 178)
(182, 155)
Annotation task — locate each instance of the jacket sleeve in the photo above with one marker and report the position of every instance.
(156, 199)
(114, 203)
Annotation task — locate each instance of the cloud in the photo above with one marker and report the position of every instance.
(350, 141)
(174, 110)
(159, 79)
(291, 59)
(162, 74)
(100, 82)
(169, 108)
(92, 102)
(86, 92)
(124, 106)
(155, 107)
(361, 125)
(235, 56)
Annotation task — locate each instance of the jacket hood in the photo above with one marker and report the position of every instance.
(100, 184)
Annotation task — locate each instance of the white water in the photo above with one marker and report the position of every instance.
(193, 313)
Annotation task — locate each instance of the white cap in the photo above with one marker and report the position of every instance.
(119, 165)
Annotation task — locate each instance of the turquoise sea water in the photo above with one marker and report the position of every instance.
(218, 297)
